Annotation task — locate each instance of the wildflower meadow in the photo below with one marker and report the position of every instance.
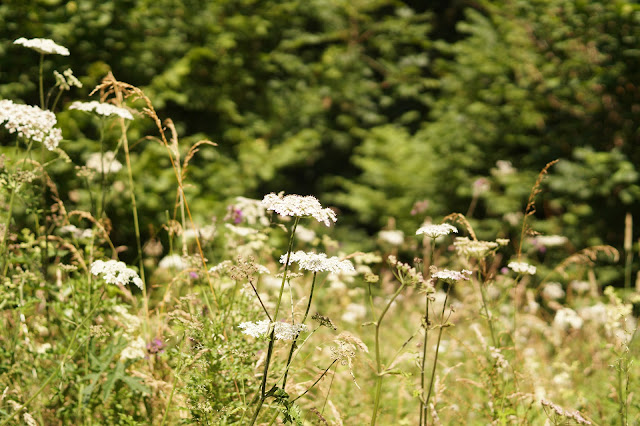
(154, 271)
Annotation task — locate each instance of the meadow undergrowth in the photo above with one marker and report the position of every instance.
(261, 317)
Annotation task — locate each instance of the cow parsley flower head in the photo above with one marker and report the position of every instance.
(297, 205)
(435, 231)
(318, 262)
(451, 276)
(136, 349)
(394, 237)
(473, 248)
(522, 268)
(282, 330)
(115, 272)
(105, 161)
(102, 108)
(43, 45)
(30, 122)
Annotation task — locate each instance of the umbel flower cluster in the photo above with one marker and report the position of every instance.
(522, 268)
(102, 108)
(435, 231)
(282, 330)
(450, 276)
(104, 162)
(115, 272)
(30, 122)
(300, 206)
(318, 262)
(43, 45)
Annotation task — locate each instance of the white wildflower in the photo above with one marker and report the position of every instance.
(304, 234)
(435, 231)
(136, 349)
(552, 291)
(503, 168)
(473, 248)
(354, 312)
(451, 276)
(115, 272)
(242, 231)
(204, 233)
(522, 268)
(249, 210)
(130, 323)
(580, 287)
(102, 108)
(222, 266)
(29, 420)
(500, 360)
(549, 240)
(43, 348)
(30, 122)
(43, 45)
(173, 261)
(297, 205)
(393, 237)
(318, 262)
(109, 163)
(567, 318)
(282, 330)
(77, 232)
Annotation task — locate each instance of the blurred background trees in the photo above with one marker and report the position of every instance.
(384, 108)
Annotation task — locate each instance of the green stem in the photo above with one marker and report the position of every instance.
(378, 359)
(175, 380)
(316, 382)
(435, 358)
(41, 80)
(263, 384)
(486, 311)
(136, 224)
(423, 407)
(295, 340)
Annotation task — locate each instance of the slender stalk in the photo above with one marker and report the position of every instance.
(263, 384)
(293, 344)
(435, 358)
(316, 382)
(41, 80)
(423, 407)
(378, 358)
(175, 380)
(136, 224)
(486, 311)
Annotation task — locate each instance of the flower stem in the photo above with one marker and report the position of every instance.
(175, 380)
(295, 340)
(486, 311)
(435, 358)
(263, 385)
(41, 80)
(378, 359)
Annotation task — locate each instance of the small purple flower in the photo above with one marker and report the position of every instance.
(234, 214)
(193, 275)
(156, 346)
